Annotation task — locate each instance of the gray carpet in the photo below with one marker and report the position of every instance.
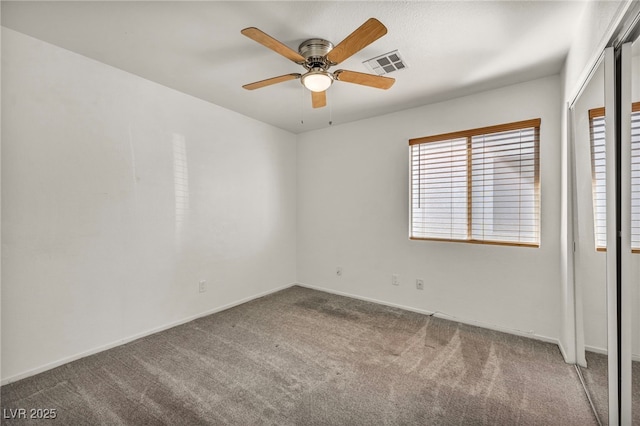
(303, 357)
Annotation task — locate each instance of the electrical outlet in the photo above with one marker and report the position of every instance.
(338, 271)
(419, 284)
(202, 286)
(395, 279)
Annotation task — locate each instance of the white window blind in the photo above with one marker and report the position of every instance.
(598, 173)
(635, 177)
(439, 187)
(478, 185)
(596, 131)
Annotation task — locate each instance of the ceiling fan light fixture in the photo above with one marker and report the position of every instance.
(317, 80)
(317, 55)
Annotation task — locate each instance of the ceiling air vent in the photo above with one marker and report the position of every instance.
(384, 64)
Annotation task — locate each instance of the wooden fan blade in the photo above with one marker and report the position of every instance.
(377, 81)
(319, 99)
(366, 34)
(270, 81)
(273, 44)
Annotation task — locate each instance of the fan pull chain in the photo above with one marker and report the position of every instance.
(302, 93)
(330, 113)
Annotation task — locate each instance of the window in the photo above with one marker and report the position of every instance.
(596, 133)
(478, 186)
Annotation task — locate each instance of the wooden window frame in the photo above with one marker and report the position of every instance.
(597, 113)
(469, 134)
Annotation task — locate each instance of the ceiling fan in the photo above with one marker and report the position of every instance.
(317, 55)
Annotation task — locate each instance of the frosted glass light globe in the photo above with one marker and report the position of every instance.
(317, 81)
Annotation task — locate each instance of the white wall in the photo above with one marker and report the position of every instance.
(596, 25)
(98, 244)
(353, 212)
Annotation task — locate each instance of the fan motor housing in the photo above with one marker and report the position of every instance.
(315, 51)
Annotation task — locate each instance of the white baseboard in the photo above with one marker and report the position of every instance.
(634, 357)
(366, 299)
(595, 349)
(563, 352)
(529, 334)
(65, 360)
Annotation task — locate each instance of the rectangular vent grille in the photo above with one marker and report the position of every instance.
(384, 64)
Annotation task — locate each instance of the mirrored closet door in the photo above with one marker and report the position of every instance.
(590, 233)
(605, 163)
(630, 135)
(635, 229)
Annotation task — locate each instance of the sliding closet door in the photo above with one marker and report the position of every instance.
(630, 207)
(611, 189)
(614, 134)
(589, 146)
(634, 283)
(628, 111)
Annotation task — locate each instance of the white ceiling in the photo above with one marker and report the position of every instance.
(453, 48)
